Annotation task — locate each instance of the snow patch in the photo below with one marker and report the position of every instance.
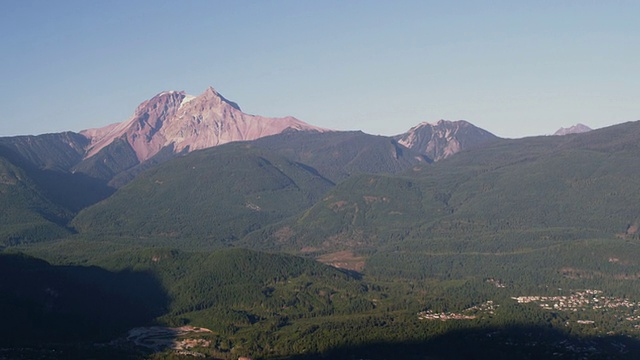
(186, 99)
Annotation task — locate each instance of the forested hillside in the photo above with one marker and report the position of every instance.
(506, 195)
(27, 215)
(217, 195)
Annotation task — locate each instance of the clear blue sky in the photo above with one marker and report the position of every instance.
(515, 68)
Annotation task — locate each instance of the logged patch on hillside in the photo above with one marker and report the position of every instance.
(344, 260)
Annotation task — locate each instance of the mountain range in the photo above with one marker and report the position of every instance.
(63, 173)
(174, 122)
(286, 239)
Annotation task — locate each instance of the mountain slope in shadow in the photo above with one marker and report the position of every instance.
(41, 303)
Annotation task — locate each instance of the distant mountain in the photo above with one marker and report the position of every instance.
(575, 129)
(186, 123)
(444, 138)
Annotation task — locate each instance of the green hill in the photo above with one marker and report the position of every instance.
(216, 195)
(241, 295)
(241, 287)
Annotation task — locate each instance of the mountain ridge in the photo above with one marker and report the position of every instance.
(173, 123)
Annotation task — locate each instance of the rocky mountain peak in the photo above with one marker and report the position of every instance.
(215, 98)
(186, 123)
(444, 138)
(575, 129)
